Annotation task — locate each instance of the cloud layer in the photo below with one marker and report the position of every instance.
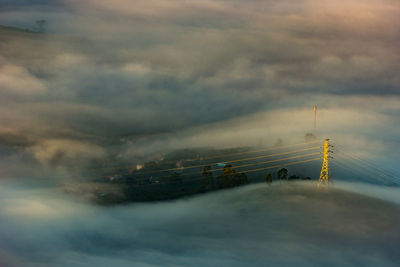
(290, 224)
(132, 80)
(112, 82)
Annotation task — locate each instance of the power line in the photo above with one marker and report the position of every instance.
(368, 170)
(231, 161)
(269, 161)
(241, 166)
(281, 165)
(222, 155)
(387, 171)
(361, 172)
(371, 166)
(250, 164)
(253, 151)
(365, 168)
(250, 170)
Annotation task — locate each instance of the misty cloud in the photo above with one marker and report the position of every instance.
(15, 79)
(133, 79)
(62, 152)
(291, 224)
(113, 82)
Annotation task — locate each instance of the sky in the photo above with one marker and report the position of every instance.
(128, 81)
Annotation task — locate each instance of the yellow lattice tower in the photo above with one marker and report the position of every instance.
(325, 171)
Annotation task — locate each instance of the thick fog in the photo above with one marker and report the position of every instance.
(101, 80)
(257, 225)
(94, 83)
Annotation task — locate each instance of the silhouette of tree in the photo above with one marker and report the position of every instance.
(283, 174)
(279, 142)
(230, 178)
(175, 177)
(309, 137)
(268, 178)
(208, 177)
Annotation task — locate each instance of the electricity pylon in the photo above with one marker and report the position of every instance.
(325, 171)
(315, 118)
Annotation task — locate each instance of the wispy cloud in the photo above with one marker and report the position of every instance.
(160, 70)
(291, 224)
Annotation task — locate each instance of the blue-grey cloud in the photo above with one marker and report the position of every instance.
(162, 71)
(290, 224)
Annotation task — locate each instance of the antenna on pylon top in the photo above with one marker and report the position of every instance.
(315, 117)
